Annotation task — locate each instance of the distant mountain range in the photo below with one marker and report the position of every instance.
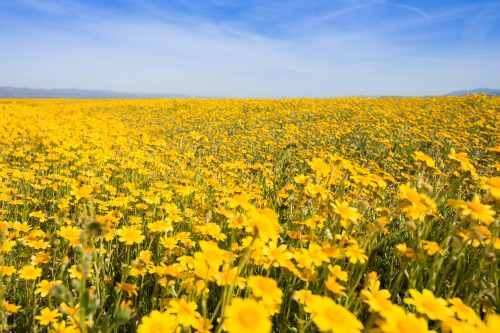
(13, 92)
(487, 91)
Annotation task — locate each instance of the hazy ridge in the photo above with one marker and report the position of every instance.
(15, 92)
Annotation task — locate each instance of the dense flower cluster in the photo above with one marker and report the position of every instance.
(334, 215)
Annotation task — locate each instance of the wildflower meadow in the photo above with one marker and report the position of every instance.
(335, 215)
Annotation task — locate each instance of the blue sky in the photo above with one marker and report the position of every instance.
(252, 48)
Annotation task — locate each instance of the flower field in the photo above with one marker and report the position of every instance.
(249, 215)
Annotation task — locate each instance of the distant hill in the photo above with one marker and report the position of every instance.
(487, 91)
(13, 92)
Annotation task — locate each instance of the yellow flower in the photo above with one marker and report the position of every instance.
(8, 245)
(247, 316)
(40, 258)
(7, 270)
(37, 244)
(46, 316)
(397, 321)
(240, 200)
(62, 328)
(30, 273)
(346, 212)
(278, 255)
(265, 288)
(492, 324)
(376, 298)
(66, 308)
(75, 274)
(329, 316)
(39, 215)
(410, 194)
(83, 192)
(355, 254)
(145, 256)
(336, 288)
(12, 308)
(211, 253)
(322, 169)
(314, 255)
(337, 273)
(462, 311)
(419, 156)
(130, 236)
(303, 296)
(185, 312)
(426, 303)
(71, 234)
(477, 211)
(44, 287)
(128, 288)
(301, 179)
(160, 226)
(432, 248)
(492, 184)
(406, 251)
(266, 222)
(157, 322)
(417, 205)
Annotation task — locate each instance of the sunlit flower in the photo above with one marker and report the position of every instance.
(329, 316)
(157, 322)
(40, 258)
(493, 185)
(266, 222)
(38, 215)
(322, 169)
(82, 192)
(130, 236)
(246, 316)
(44, 287)
(128, 288)
(30, 273)
(477, 211)
(240, 200)
(12, 308)
(62, 327)
(346, 212)
(7, 270)
(426, 303)
(337, 272)
(265, 288)
(76, 274)
(398, 321)
(336, 288)
(185, 312)
(355, 254)
(8, 245)
(462, 311)
(46, 316)
(70, 233)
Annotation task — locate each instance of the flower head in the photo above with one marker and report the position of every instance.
(329, 316)
(247, 316)
(157, 322)
(130, 236)
(30, 273)
(426, 303)
(128, 288)
(46, 316)
(44, 287)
